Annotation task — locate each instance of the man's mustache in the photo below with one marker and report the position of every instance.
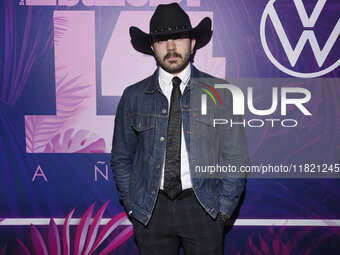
(172, 54)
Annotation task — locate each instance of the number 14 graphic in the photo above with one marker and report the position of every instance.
(76, 127)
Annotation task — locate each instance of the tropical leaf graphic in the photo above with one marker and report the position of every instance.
(86, 240)
(17, 64)
(70, 93)
(76, 142)
(60, 26)
(39, 130)
(23, 248)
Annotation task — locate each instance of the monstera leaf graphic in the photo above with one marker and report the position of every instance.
(81, 141)
(87, 238)
(70, 96)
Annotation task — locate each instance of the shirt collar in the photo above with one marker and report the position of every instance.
(184, 75)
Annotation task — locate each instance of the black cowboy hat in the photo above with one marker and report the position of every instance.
(169, 19)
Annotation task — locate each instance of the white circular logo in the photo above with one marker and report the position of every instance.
(307, 35)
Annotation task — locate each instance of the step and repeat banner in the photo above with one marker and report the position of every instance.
(64, 65)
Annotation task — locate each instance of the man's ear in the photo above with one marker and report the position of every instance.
(152, 48)
(193, 43)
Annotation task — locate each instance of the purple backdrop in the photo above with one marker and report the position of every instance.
(64, 65)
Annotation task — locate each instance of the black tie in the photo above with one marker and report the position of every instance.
(172, 170)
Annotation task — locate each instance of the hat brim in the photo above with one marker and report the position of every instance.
(142, 41)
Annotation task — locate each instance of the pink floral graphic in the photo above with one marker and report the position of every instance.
(75, 88)
(76, 142)
(69, 95)
(87, 238)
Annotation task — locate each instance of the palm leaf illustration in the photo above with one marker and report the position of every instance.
(16, 65)
(39, 246)
(94, 229)
(60, 26)
(53, 239)
(71, 141)
(70, 93)
(85, 242)
(24, 249)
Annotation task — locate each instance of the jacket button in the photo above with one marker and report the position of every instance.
(153, 192)
(164, 111)
(158, 166)
(162, 139)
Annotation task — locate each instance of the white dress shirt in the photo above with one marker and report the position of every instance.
(165, 82)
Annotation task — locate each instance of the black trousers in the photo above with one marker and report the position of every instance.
(179, 223)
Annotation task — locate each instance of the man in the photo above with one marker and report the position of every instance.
(155, 146)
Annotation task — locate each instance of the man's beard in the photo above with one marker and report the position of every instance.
(175, 69)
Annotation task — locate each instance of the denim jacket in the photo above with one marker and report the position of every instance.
(139, 143)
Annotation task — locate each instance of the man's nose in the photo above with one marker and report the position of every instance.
(170, 44)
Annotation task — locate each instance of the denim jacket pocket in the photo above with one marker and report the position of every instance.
(141, 123)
